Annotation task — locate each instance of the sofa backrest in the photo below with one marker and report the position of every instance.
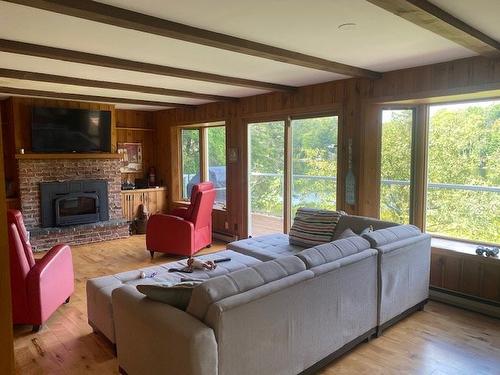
(385, 236)
(332, 251)
(15, 217)
(359, 223)
(287, 325)
(241, 281)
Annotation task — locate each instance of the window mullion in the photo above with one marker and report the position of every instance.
(287, 222)
(204, 154)
(419, 175)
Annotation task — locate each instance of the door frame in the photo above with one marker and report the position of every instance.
(287, 190)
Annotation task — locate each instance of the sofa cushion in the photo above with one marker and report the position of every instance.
(267, 247)
(382, 237)
(176, 295)
(313, 227)
(346, 234)
(358, 223)
(241, 281)
(99, 289)
(333, 251)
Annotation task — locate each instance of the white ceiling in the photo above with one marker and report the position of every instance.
(381, 42)
(483, 15)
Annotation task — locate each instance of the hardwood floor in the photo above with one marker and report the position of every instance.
(439, 340)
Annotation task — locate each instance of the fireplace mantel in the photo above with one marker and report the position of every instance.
(42, 156)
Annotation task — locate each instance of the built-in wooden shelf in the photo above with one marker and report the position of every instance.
(69, 156)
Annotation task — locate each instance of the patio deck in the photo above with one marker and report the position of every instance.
(263, 224)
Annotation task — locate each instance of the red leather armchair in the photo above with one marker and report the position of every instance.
(38, 287)
(186, 230)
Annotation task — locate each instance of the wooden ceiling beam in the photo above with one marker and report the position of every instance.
(54, 53)
(65, 80)
(87, 98)
(427, 15)
(111, 15)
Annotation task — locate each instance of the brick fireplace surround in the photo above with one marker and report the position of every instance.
(32, 171)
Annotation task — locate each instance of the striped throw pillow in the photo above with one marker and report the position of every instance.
(312, 227)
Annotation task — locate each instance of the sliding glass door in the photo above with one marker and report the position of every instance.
(314, 163)
(266, 177)
(291, 163)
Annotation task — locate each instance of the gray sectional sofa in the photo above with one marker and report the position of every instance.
(403, 261)
(285, 310)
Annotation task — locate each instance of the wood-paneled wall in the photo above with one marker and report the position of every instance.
(9, 146)
(457, 77)
(126, 126)
(6, 340)
(21, 117)
(356, 101)
(16, 129)
(137, 127)
(339, 97)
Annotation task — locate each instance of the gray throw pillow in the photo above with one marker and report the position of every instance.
(347, 233)
(177, 295)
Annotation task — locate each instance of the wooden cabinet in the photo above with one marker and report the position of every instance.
(466, 273)
(154, 200)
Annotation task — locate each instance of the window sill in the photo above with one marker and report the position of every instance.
(457, 246)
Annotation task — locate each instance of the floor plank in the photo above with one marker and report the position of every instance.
(440, 340)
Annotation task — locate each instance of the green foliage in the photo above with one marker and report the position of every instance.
(314, 153)
(396, 166)
(190, 151)
(266, 145)
(216, 146)
(190, 156)
(464, 149)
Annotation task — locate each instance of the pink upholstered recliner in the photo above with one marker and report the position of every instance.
(186, 230)
(38, 287)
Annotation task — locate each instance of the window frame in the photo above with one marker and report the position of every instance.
(412, 214)
(420, 153)
(287, 120)
(203, 150)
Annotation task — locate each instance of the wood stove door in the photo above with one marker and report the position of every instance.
(77, 208)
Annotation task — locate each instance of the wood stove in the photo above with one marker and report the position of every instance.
(77, 208)
(73, 202)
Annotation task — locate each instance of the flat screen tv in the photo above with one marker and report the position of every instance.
(70, 130)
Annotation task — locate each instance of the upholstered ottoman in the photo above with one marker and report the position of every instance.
(100, 310)
(267, 247)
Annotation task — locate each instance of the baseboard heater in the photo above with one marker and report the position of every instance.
(464, 301)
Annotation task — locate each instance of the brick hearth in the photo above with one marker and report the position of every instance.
(34, 171)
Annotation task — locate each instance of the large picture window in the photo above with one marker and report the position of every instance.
(203, 154)
(455, 189)
(463, 189)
